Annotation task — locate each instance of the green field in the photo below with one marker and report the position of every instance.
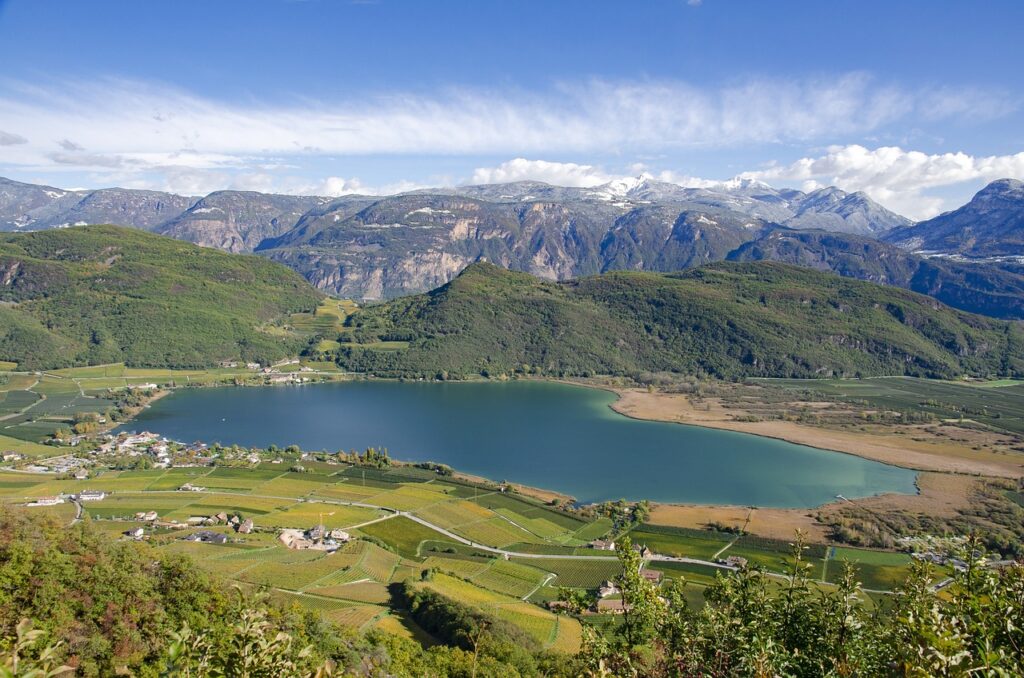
(575, 573)
(351, 586)
(1001, 407)
(682, 542)
(878, 570)
(403, 534)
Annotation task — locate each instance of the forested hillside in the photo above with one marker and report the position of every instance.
(727, 320)
(101, 294)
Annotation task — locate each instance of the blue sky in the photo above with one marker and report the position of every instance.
(917, 103)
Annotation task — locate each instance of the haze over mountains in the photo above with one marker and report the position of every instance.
(378, 247)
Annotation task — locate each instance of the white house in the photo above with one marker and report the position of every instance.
(47, 501)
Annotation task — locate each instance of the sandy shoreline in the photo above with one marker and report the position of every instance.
(897, 450)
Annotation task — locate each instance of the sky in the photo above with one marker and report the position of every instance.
(919, 104)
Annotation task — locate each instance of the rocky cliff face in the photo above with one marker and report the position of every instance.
(238, 221)
(991, 225)
(415, 242)
(27, 207)
(24, 205)
(380, 247)
(991, 290)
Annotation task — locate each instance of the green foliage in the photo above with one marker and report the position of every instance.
(123, 608)
(470, 629)
(103, 294)
(727, 320)
(753, 625)
(28, 660)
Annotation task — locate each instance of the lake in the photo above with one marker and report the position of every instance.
(547, 435)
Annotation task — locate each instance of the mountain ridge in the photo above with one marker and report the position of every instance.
(989, 226)
(101, 294)
(381, 247)
(729, 320)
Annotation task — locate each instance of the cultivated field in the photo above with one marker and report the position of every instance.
(350, 586)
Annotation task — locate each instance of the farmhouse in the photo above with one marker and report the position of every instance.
(189, 487)
(606, 589)
(602, 545)
(246, 527)
(739, 562)
(295, 539)
(135, 533)
(316, 537)
(148, 516)
(653, 576)
(613, 606)
(207, 537)
(92, 495)
(47, 501)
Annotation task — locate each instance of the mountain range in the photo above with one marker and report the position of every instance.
(380, 247)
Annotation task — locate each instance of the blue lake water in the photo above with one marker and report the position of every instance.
(547, 435)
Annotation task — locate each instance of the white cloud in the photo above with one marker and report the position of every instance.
(579, 176)
(146, 136)
(556, 173)
(892, 176)
(116, 124)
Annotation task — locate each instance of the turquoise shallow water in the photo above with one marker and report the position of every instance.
(547, 435)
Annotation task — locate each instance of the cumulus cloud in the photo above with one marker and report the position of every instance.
(896, 178)
(578, 175)
(556, 173)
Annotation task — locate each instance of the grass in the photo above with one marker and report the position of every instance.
(27, 447)
(1001, 407)
(403, 534)
(595, 530)
(681, 542)
(454, 513)
(586, 574)
(510, 578)
(540, 624)
(879, 570)
(360, 592)
(496, 532)
(307, 514)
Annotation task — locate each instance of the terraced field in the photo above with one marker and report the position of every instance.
(546, 628)
(350, 585)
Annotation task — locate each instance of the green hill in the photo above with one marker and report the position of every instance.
(100, 294)
(728, 320)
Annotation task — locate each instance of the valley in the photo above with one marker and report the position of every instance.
(482, 544)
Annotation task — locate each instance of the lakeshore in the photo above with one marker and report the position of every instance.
(952, 472)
